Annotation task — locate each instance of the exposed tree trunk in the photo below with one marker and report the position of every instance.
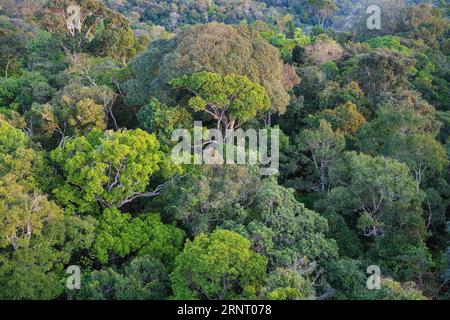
(7, 67)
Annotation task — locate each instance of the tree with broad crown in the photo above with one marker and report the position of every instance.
(230, 100)
(108, 169)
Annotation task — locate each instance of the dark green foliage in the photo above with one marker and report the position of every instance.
(144, 278)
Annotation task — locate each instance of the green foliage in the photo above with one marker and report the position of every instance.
(35, 270)
(162, 120)
(230, 100)
(379, 199)
(330, 69)
(279, 226)
(364, 152)
(212, 47)
(389, 42)
(379, 70)
(406, 131)
(286, 45)
(345, 118)
(19, 162)
(333, 95)
(288, 284)
(218, 266)
(393, 290)
(346, 278)
(108, 169)
(421, 153)
(74, 111)
(381, 190)
(314, 151)
(31, 273)
(34, 88)
(103, 32)
(447, 258)
(13, 47)
(23, 214)
(9, 90)
(405, 260)
(144, 278)
(120, 234)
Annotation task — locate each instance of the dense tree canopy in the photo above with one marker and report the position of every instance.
(94, 94)
(212, 47)
(230, 100)
(107, 169)
(219, 266)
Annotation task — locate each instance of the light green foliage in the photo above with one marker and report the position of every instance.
(19, 161)
(218, 266)
(389, 42)
(108, 169)
(288, 284)
(364, 152)
(230, 100)
(23, 214)
(13, 145)
(286, 44)
(120, 234)
(24, 210)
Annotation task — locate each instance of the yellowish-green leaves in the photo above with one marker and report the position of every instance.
(108, 169)
(230, 100)
(119, 235)
(218, 266)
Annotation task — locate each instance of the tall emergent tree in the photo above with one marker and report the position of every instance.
(230, 100)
